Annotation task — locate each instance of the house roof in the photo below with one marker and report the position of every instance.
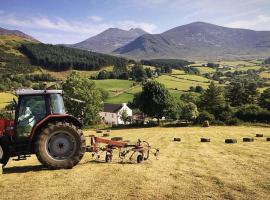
(112, 108)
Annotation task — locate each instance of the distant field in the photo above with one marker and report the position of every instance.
(179, 84)
(204, 70)
(185, 170)
(5, 98)
(113, 85)
(64, 74)
(245, 68)
(192, 77)
(265, 74)
(126, 96)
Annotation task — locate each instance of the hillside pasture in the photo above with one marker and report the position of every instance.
(184, 170)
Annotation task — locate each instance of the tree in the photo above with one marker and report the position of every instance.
(205, 116)
(190, 97)
(212, 100)
(156, 101)
(252, 113)
(198, 89)
(124, 116)
(138, 73)
(264, 99)
(189, 112)
(242, 92)
(83, 89)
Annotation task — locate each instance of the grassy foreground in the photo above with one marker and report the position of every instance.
(186, 170)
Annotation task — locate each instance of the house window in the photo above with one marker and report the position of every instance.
(105, 114)
(112, 115)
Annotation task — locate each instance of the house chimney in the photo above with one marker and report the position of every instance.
(124, 104)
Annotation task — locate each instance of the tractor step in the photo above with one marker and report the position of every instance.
(21, 157)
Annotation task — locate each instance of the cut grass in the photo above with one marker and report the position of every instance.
(186, 170)
(5, 99)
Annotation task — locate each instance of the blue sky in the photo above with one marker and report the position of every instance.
(67, 21)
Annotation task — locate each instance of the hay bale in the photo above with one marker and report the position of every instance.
(117, 138)
(259, 135)
(177, 139)
(268, 139)
(206, 124)
(230, 141)
(108, 131)
(106, 135)
(248, 139)
(205, 139)
(99, 131)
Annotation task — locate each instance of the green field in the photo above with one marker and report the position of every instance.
(174, 83)
(204, 70)
(185, 170)
(5, 98)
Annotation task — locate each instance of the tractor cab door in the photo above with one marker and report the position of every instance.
(31, 109)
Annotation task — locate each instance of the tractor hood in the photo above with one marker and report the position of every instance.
(6, 127)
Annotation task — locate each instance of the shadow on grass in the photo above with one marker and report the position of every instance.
(93, 162)
(23, 169)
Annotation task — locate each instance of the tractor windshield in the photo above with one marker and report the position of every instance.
(57, 104)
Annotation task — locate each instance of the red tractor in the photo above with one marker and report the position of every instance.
(42, 127)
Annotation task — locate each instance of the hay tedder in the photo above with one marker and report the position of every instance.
(42, 127)
(141, 149)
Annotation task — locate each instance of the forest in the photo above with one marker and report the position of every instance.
(59, 58)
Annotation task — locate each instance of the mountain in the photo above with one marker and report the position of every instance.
(109, 40)
(199, 40)
(15, 32)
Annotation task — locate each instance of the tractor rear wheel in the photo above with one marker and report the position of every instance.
(4, 150)
(60, 145)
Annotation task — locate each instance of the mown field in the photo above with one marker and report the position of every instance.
(5, 98)
(186, 170)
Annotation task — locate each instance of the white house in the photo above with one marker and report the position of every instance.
(111, 113)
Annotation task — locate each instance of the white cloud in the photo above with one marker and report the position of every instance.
(96, 18)
(83, 28)
(128, 24)
(259, 22)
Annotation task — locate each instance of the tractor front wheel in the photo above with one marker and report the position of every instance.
(60, 145)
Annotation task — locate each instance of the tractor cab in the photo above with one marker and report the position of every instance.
(33, 106)
(42, 127)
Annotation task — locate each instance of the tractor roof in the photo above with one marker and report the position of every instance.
(30, 92)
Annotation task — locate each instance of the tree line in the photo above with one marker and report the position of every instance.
(59, 58)
(236, 103)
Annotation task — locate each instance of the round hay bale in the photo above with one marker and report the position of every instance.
(117, 138)
(206, 124)
(106, 135)
(99, 131)
(177, 139)
(259, 135)
(205, 139)
(108, 131)
(248, 139)
(268, 139)
(230, 141)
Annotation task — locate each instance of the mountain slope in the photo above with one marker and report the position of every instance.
(109, 40)
(16, 33)
(199, 40)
